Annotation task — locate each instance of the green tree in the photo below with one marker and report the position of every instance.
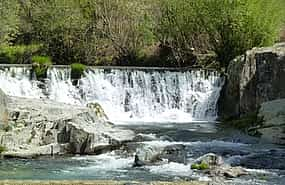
(9, 21)
(228, 28)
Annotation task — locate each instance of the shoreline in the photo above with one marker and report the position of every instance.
(96, 182)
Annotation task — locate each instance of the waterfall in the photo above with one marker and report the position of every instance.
(152, 95)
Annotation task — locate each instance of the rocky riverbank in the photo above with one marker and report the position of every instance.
(253, 81)
(43, 127)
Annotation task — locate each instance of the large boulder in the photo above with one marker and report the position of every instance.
(253, 79)
(3, 109)
(214, 166)
(43, 127)
(158, 154)
(272, 128)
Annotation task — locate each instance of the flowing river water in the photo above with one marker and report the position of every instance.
(172, 108)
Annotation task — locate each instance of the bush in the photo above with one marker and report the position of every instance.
(20, 54)
(77, 70)
(40, 66)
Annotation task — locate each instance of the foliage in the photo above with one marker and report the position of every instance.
(77, 70)
(18, 54)
(41, 65)
(236, 26)
(226, 27)
(140, 32)
(9, 20)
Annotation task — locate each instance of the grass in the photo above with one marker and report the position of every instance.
(42, 60)
(77, 70)
(41, 65)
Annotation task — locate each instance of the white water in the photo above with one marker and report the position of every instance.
(126, 94)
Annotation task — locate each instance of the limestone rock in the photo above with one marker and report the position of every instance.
(42, 127)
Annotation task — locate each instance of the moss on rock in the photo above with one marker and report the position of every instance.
(201, 166)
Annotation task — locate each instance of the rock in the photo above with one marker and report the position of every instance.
(253, 79)
(3, 108)
(43, 127)
(210, 159)
(272, 128)
(174, 153)
(99, 111)
(138, 162)
(152, 154)
(231, 172)
(214, 165)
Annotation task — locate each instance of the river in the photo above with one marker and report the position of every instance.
(169, 107)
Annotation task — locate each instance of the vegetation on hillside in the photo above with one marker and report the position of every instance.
(137, 32)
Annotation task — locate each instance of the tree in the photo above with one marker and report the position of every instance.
(9, 21)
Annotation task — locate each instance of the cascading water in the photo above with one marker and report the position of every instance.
(155, 95)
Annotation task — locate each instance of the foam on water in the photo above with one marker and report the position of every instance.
(215, 143)
(105, 162)
(173, 169)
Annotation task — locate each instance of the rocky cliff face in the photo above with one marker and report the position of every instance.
(3, 108)
(252, 79)
(42, 127)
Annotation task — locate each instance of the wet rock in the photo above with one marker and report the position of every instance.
(210, 159)
(174, 153)
(138, 162)
(214, 166)
(3, 108)
(43, 127)
(152, 154)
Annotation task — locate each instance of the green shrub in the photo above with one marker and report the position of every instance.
(41, 65)
(2, 149)
(20, 54)
(77, 70)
